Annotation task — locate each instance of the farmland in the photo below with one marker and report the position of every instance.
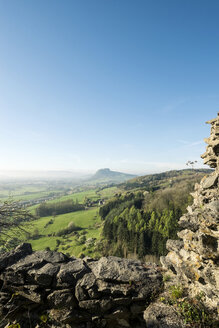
(45, 235)
(44, 232)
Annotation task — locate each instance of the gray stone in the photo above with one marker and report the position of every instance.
(31, 292)
(45, 275)
(121, 270)
(214, 206)
(72, 271)
(159, 315)
(98, 306)
(210, 181)
(9, 258)
(173, 245)
(38, 259)
(62, 298)
(85, 286)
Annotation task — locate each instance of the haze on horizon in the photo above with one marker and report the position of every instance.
(92, 84)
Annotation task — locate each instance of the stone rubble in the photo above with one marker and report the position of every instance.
(194, 258)
(48, 289)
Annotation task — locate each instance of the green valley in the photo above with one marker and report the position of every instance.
(131, 219)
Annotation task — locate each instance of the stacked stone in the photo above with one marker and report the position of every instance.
(48, 289)
(194, 257)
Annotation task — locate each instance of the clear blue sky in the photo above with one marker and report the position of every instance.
(125, 84)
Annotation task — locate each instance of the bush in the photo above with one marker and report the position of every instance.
(66, 231)
(82, 239)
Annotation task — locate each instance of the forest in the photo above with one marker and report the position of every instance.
(140, 221)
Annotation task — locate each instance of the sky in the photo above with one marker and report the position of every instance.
(124, 84)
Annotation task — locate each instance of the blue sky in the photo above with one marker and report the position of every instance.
(107, 83)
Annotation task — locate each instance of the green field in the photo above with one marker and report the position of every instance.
(88, 221)
(27, 192)
(92, 194)
(42, 232)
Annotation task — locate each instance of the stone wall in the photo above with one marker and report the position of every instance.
(194, 257)
(48, 289)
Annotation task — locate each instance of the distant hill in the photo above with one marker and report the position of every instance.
(152, 182)
(107, 176)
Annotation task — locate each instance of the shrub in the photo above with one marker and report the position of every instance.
(66, 231)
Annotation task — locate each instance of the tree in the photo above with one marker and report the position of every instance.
(191, 163)
(12, 218)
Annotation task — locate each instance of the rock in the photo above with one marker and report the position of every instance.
(71, 271)
(61, 298)
(172, 245)
(159, 315)
(98, 306)
(121, 270)
(38, 259)
(49, 288)
(30, 292)
(9, 258)
(210, 182)
(86, 287)
(214, 206)
(208, 246)
(45, 275)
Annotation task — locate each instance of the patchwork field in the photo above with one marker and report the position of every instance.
(89, 225)
(47, 232)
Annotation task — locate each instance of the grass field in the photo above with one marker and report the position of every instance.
(88, 221)
(92, 194)
(42, 234)
(79, 196)
(27, 192)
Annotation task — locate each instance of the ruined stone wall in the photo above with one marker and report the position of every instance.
(194, 257)
(49, 289)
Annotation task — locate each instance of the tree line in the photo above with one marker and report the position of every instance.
(56, 208)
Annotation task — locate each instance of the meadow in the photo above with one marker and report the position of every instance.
(42, 232)
(45, 235)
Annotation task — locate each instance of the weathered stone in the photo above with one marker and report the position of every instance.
(45, 275)
(210, 182)
(61, 298)
(86, 287)
(214, 206)
(15, 277)
(34, 288)
(38, 259)
(121, 270)
(159, 315)
(173, 245)
(98, 306)
(32, 293)
(9, 258)
(71, 271)
(208, 246)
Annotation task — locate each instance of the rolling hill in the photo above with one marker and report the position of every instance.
(105, 175)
